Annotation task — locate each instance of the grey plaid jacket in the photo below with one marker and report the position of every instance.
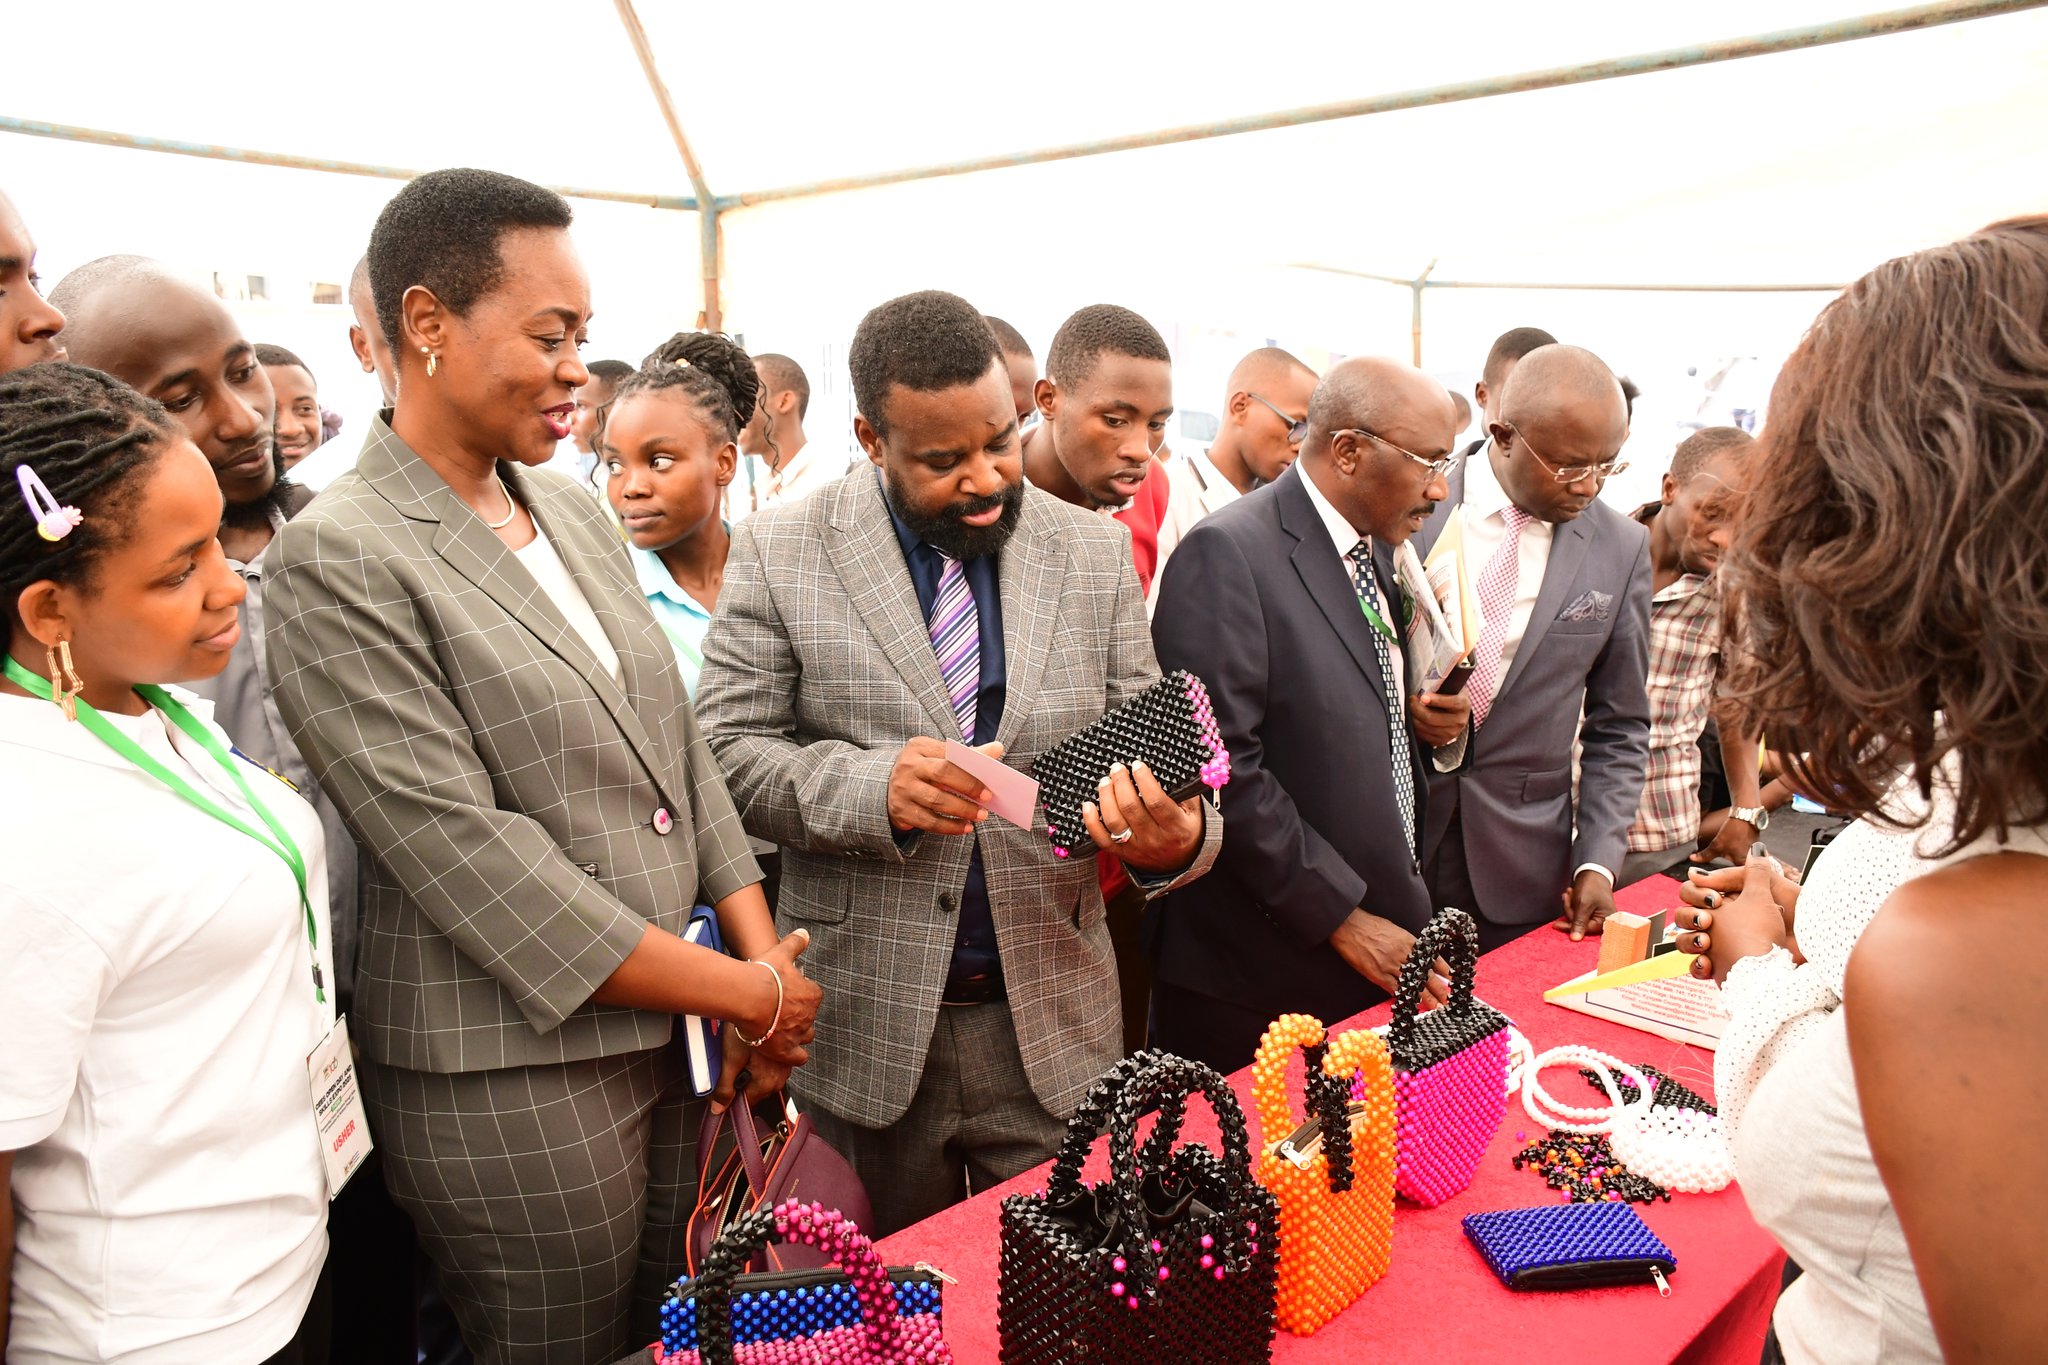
(817, 669)
(502, 785)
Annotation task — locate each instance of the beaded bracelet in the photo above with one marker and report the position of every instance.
(1576, 1119)
(774, 1023)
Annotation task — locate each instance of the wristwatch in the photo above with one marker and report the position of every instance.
(1757, 816)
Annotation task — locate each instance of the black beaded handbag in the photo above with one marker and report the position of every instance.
(1170, 726)
(1174, 1257)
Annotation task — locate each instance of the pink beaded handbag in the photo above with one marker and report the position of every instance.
(1450, 1067)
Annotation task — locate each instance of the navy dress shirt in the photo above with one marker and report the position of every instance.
(975, 955)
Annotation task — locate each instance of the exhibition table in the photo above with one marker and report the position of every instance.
(1439, 1301)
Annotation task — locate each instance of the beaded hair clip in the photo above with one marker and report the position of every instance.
(53, 520)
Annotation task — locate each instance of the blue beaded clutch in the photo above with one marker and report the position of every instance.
(1571, 1246)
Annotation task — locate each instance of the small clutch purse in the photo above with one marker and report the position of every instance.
(1170, 726)
(1571, 1246)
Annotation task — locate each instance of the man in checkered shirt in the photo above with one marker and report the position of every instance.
(1689, 528)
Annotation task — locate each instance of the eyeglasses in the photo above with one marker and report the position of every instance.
(1297, 427)
(1570, 473)
(1435, 467)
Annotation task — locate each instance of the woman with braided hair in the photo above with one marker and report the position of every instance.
(161, 978)
(670, 446)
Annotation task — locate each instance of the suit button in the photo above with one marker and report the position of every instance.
(948, 903)
(663, 821)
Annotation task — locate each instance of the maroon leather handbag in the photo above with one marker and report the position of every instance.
(742, 1167)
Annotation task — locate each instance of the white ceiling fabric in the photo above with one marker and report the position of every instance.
(1802, 167)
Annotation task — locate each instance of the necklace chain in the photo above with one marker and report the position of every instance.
(511, 509)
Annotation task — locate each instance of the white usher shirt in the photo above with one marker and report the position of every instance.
(156, 998)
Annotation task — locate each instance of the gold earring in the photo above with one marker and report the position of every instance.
(433, 361)
(65, 684)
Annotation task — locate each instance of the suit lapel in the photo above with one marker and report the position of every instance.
(865, 553)
(1568, 545)
(1323, 574)
(472, 550)
(1032, 564)
(588, 566)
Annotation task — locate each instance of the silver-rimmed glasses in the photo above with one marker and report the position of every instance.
(1435, 467)
(1568, 473)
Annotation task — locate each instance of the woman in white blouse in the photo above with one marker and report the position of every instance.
(1883, 1073)
(162, 979)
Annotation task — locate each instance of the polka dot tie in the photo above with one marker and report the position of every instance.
(1368, 587)
(1497, 584)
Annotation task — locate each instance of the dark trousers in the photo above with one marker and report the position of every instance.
(1126, 920)
(371, 1257)
(1450, 883)
(973, 1123)
(1204, 1029)
(308, 1345)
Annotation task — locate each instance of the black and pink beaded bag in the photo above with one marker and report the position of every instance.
(1170, 727)
(1450, 1067)
(1172, 1258)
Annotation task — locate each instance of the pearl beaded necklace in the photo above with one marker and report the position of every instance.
(1681, 1149)
(1569, 1118)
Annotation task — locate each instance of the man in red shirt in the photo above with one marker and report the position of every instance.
(1104, 403)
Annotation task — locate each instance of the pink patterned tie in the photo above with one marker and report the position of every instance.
(1496, 604)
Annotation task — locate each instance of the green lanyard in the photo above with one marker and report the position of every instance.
(690, 651)
(1377, 623)
(282, 845)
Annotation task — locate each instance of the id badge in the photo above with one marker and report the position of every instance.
(338, 1108)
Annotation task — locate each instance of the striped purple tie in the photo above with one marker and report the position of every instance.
(956, 640)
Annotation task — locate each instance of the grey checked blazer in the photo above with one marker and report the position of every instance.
(502, 786)
(1513, 791)
(818, 668)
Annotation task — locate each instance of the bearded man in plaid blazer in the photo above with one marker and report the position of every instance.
(970, 986)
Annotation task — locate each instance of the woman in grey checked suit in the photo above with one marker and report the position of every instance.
(463, 656)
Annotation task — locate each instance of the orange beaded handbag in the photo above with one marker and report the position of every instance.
(1332, 1173)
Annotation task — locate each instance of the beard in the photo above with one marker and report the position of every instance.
(245, 516)
(946, 532)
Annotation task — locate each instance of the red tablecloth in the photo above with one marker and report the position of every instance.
(1439, 1301)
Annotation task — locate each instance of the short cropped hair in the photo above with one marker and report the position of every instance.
(1098, 329)
(1700, 449)
(1509, 347)
(1009, 338)
(786, 376)
(270, 354)
(925, 341)
(610, 373)
(442, 232)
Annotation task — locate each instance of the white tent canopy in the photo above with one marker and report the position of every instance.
(1807, 166)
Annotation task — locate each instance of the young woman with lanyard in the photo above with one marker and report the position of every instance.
(670, 445)
(163, 978)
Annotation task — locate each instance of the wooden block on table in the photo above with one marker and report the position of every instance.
(1625, 938)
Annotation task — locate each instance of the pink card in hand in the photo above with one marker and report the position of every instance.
(1015, 796)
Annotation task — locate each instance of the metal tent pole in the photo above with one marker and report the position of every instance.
(708, 207)
(65, 132)
(1669, 59)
